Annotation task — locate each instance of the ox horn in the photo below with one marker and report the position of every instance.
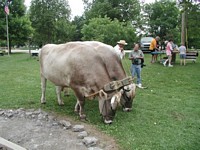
(103, 95)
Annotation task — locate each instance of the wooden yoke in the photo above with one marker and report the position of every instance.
(115, 85)
(112, 86)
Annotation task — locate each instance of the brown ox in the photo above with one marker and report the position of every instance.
(79, 66)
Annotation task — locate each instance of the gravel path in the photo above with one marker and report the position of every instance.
(38, 130)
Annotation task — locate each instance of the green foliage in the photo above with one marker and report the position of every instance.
(193, 25)
(50, 20)
(78, 22)
(164, 19)
(108, 31)
(164, 116)
(18, 23)
(124, 11)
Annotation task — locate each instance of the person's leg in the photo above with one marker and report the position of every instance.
(170, 59)
(166, 61)
(152, 58)
(184, 59)
(181, 59)
(133, 70)
(138, 72)
(156, 57)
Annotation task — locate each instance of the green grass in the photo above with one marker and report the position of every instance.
(165, 116)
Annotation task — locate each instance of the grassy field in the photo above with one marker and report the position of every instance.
(166, 115)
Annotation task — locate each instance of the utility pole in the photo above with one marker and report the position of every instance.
(183, 23)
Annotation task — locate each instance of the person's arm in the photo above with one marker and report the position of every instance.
(123, 52)
(141, 55)
(130, 56)
(170, 46)
(154, 44)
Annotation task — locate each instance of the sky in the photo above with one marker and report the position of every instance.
(77, 6)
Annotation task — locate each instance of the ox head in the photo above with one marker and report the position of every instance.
(108, 106)
(128, 94)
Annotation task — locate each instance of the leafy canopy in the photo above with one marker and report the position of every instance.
(163, 19)
(18, 23)
(108, 31)
(50, 20)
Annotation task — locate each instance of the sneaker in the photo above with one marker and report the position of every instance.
(139, 85)
(164, 64)
(170, 66)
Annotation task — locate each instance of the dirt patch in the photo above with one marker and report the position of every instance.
(38, 130)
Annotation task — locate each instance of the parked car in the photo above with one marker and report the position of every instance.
(145, 43)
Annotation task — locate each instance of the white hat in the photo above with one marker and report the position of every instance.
(123, 42)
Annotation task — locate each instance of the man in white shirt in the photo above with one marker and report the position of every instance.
(120, 48)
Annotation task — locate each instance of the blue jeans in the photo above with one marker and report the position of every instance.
(136, 69)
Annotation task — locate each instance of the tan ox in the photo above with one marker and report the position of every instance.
(106, 52)
(79, 66)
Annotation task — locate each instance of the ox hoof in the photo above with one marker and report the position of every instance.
(83, 119)
(61, 104)
(82, 116)
(76, 111)
(127, 109)
(108, 121)
(66, 95)
(43, 102)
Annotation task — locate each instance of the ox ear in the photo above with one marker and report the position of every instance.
(115, 100)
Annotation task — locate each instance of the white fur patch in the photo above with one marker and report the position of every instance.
(113, 100)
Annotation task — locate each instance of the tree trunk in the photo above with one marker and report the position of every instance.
(183, 33)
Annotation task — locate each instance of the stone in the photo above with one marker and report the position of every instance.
(55, 124)
(66, 124)
(94, 148)
(82, 134)
(78, 128)
(28, 113)
(1, 112)
(39, 123)
(9, 114)
(40, 116)
(90, 141)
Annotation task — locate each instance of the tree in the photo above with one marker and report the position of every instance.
(50, 20)
(123, 10)
(190, 10)
(163, 19)
(108, 31)
(78, 22)
(193, 26)
(19, 24)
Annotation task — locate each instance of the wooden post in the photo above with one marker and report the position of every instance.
(8, 45)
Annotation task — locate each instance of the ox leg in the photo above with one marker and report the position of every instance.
(80, 106)
(80, 102)
(77, 107)
(66, 91)
(43, 88)
(58, 92)
(81, 111)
